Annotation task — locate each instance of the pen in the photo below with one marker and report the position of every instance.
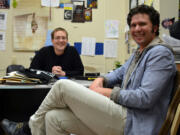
(91, 78)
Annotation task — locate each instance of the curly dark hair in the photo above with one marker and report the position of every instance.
(144, 9)
(58, 29)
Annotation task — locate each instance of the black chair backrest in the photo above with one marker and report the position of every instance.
(12, 68)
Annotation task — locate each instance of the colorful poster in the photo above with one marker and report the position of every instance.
(68, 8)
(92, 4)
(78, 11)
(88, 14)
(4, 4)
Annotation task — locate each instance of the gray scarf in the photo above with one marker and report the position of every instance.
(134, 63)
(138, 57)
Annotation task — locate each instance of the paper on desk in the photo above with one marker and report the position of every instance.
(88, 46)
(3, 20)
(2, 41)
(110, 48)
(50, 3)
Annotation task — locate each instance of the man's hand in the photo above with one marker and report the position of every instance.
(98, 82)
(57, 70)
(97, 86)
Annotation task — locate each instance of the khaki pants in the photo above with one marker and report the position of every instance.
(72, 108)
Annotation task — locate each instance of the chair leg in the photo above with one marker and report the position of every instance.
(1, 131)
(176, 121)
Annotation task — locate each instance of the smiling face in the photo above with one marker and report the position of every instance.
(142, 30)
(60, 41)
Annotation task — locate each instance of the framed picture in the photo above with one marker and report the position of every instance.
(68, 11)
(92, 3)
(4, 4)
(133, 3)
(88, 14)
(78, 11)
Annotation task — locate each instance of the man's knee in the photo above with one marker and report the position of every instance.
(60, 86)
(63, 83)
(60, 119)
(57, 115)
(51, 116)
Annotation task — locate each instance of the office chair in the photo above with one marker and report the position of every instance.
(172, 122)
(11, 68)
(176, 122)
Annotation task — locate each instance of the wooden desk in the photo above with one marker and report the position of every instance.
(19, 102)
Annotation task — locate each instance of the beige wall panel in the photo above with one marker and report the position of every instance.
(107, 10)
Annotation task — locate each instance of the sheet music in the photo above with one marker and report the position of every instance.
(88, 46)
(110, 48)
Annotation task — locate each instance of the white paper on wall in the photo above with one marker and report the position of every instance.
(2, 41)
(112, 29)
(50, 3)
(88, 46)
(110, 48)
(3, 20)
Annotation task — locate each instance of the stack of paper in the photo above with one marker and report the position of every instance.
(15, 77)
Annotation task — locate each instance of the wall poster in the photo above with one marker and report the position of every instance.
(4, 4)
(29, 32)
(92, 4)
(133, 3)
(78, 11)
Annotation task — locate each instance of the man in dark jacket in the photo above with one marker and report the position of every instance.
(60, 59)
